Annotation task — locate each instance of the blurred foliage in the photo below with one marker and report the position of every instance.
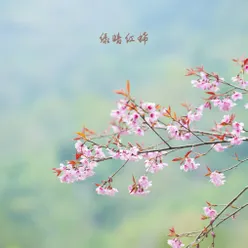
(56, 76)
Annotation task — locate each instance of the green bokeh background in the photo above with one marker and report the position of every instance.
(55, 77)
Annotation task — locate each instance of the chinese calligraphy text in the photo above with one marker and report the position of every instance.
(117, 38)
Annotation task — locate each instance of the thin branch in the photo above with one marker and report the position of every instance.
(116, 171)
(231, 215)
(175, 148)
(235, 166)
(226, 83)
(189, 234)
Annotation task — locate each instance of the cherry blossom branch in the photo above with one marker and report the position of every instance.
(152, 128)
(232, 215)
(234, 86)
(173, 149)
(185, 128)
(228, 205)
(224, 82)
(131, 118)
(176, 148)
(190, 145)
(205, 231)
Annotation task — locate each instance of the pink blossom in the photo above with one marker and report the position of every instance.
(119, 130)
(106, 191)
(244, 84)
(226, 104)
(62, 167)
(185, 136)
(201, 84)
(241, 82)
(139, 131)
(246, 68)
(100, 190)
(137, 192)
(236, 140)
(83, 149)
(134, 150)
(237, 128)
(67, 177)
(114, 154)
(209, 212)
(84, 161)
(237, 79)
(79, 146)
(141, 188)
(215, 84)
(237, 96)
(131, 154)
(207, 105)
(134, 119)
(203, 75)
(98, 152)
(205, 84)
(116, 129)
(92, 165)
(135, 116)
(124, 155)
(175, 243)
(117, 114)
(189, 165)
(217, 178)
(144, 182)
(111, 192)
(153, 155)
(148, 106)
(122, 104)
(226, 119)
(84, 172)
(153, 117)
(70, 174)
(172, 130)
(195, 116)
(216, 102)
(195, 83)
(153, 167)
(219, 148)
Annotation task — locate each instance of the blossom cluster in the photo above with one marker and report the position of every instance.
(210, 212)
(132, 118)
(140, 188)
(139, 118)
(175, 243)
